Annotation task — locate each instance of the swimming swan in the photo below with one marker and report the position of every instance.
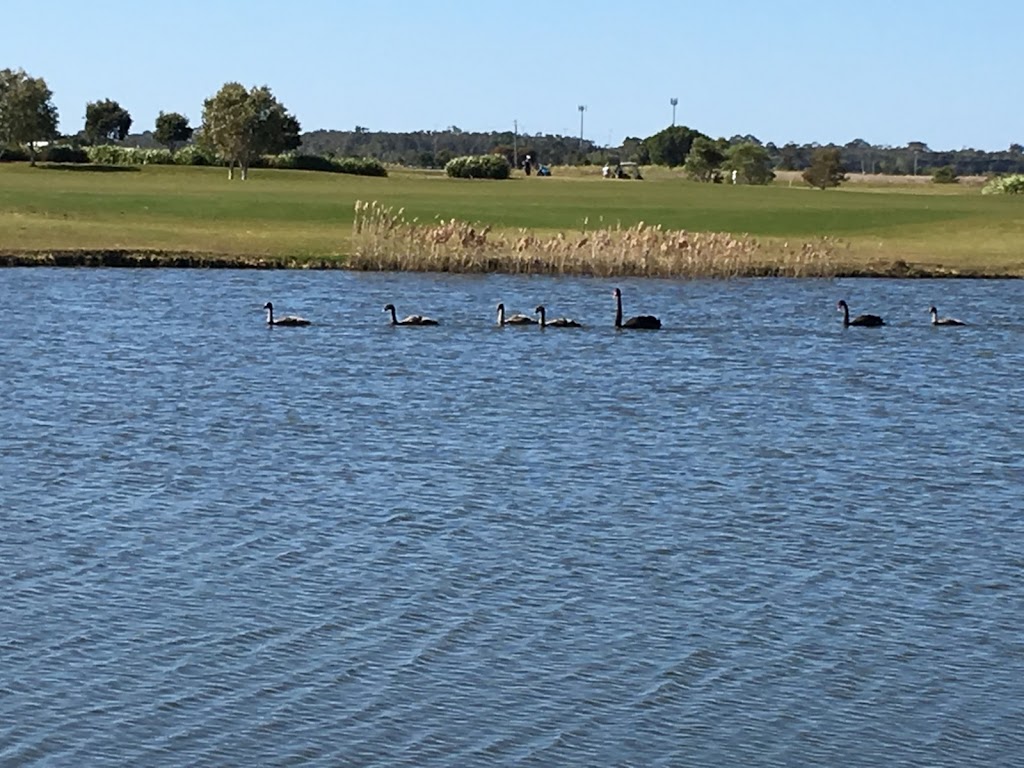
(869, 321)
(516, 319)
(558, 322)
(289, 321)
(936, 320)
(648, 322)
(410, 320)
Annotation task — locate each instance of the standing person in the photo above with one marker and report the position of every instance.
(526, 165)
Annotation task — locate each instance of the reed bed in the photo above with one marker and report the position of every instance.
(384, 239)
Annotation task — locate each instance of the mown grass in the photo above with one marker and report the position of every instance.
(295, 214)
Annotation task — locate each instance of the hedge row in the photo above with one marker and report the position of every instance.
(112, 154)
(359, 166)
(478, 167)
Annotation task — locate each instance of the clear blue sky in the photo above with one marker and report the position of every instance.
(945, 72)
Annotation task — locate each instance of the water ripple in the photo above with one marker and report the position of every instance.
(749, 539)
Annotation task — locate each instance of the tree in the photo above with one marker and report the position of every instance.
(27, 114)
(241, 125)
(705, 159)
(826, 169)
(634, 149)
(671, 146)
(751, 162)
(106, 121)
(172, 130)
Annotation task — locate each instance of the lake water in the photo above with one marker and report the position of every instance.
(752, 538)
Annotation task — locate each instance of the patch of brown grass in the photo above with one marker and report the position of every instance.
(887, 181)
(383, 239)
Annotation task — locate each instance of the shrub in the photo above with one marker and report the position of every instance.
(478, 167)
(62, 153)
(13, 154)
(359, 166)
(194, 154)
(155, 156)
(112, 154)
(945, 175)
(297, 162)
(1005, 185)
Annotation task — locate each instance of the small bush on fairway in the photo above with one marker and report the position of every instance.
(1005, 185)
(478, 167)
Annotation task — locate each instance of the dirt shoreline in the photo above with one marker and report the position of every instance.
(115, 258)
(153, 258)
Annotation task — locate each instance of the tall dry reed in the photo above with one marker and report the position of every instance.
(383, 239)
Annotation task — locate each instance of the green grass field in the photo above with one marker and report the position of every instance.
(295, 214)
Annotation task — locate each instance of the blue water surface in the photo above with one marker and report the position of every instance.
(752, 538)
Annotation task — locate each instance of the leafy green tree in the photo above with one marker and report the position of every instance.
(106, 121)
(27, 113)
(752, 163)
(705, 159)
(671, 146)
(826, 168)
(945, 175)
(240, 125)
(172, 130)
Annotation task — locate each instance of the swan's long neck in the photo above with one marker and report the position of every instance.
(618, 311)
(935, 317)
(270, 315)
(394, 317)
(846, 315)
(543, 321)
(501, 315)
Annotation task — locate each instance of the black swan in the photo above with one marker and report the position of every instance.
(516, 319)
(410, 320)
(640, 321)
(936, 320)
(558, 322)
(870, 321)
(290, 320)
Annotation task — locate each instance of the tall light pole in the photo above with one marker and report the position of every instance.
(674, 102)
(582, 108)
(515, 143)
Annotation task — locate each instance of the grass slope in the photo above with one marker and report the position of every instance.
(297, 214)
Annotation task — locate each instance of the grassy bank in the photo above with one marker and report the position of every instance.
(302, 217)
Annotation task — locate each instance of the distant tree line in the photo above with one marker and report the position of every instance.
(914, 158)
(433, 149)
(239, 125)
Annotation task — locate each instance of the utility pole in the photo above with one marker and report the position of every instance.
(515, 143)
(673, 101)
(582, 108)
